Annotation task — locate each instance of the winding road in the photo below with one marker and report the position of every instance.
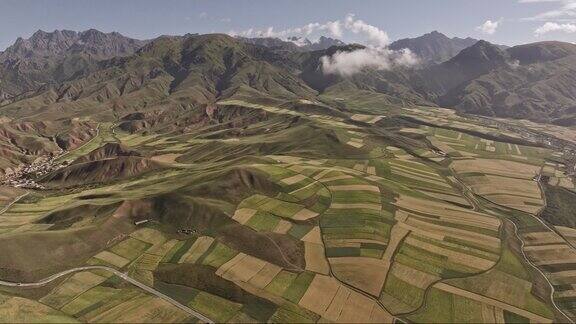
(122, 275)
(472, 197)
(117, 273)
(539, 271)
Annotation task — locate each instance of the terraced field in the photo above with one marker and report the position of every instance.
(281, 214)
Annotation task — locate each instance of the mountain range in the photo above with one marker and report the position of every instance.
(532, 81)
(53, 57)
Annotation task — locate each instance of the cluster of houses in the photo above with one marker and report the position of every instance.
(23, 175)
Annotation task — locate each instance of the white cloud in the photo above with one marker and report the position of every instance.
(372, 34)
(564, 12)
(333, 27)
(375, 56)
(514, 64)
(202, 15)
(299, 41)
(349, 63)
(488, 27)
(375, 35)
(404, 57)
(552, 27)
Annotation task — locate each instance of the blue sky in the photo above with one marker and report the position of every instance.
(510, 21)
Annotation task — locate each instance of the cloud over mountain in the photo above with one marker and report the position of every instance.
(349, 63)
(488, 27)
(373, 34)
(376, 55)
(369, 33)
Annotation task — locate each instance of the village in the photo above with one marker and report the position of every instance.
(25, 175)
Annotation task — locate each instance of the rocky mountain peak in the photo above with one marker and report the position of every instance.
(482, 52)
(59, 42)
(433, 47)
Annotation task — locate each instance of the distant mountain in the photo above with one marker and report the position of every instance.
(296, 44)
(60, 42)
(273, 43)
(181, 71)
(45, 73)
(217, 63)
(48, 57)
(434, 47)
(321, 44)
(399, 85)
(534, 81)
(541, 52)
(471, 62)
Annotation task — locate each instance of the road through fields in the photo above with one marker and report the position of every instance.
(117, 273)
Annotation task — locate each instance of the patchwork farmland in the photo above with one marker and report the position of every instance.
(339, 217)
